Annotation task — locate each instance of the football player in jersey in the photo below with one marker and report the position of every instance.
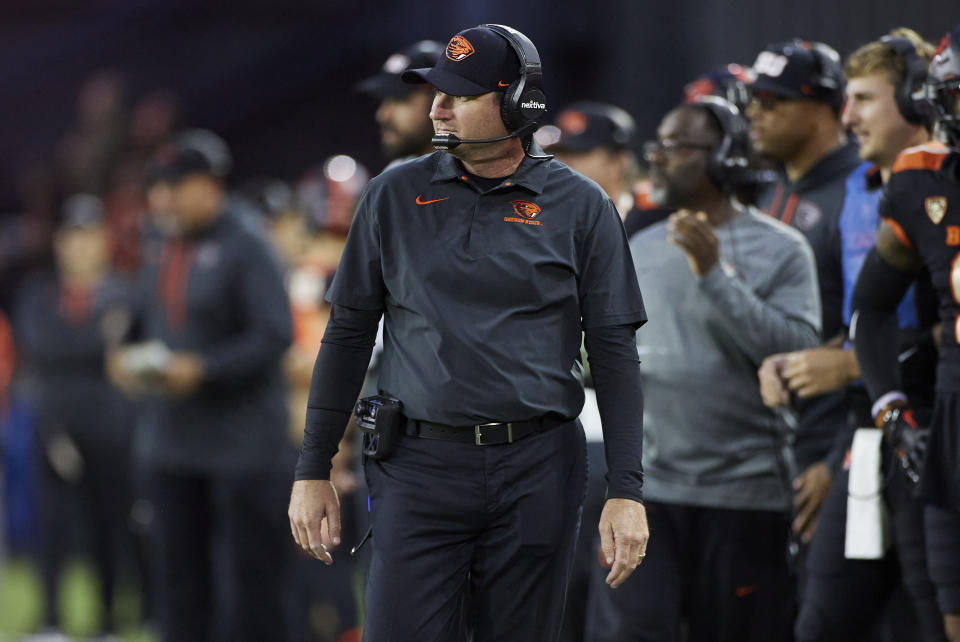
(922, 229)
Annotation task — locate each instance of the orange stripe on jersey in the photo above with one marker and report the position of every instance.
(929, 157)
(901, 235)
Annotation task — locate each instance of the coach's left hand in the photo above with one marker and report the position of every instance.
(623, 538)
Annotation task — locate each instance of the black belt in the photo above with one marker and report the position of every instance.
(490, 434)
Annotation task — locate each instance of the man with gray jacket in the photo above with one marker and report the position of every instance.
(725, 286)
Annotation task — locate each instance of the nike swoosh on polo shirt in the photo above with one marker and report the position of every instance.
(420, 200)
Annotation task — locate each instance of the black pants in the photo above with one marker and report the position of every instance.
(846, 598)
(725, 571)
(224, 550)
(943, 550)
(93, 509)
(473, 542)
(585, 558)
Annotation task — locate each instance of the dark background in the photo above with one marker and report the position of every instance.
(274, 77)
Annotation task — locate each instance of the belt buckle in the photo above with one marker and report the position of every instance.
(478, 436)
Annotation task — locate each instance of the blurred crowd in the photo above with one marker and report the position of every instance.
(159, 324)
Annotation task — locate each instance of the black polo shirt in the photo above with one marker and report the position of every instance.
(485, 293)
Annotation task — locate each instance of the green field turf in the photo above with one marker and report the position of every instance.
(22, 608)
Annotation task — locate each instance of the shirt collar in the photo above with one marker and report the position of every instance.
(873, 178)
(839, 161)
(532, 173)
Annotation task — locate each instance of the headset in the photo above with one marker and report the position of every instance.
(524, 104)
(912, 81)
(729, 163)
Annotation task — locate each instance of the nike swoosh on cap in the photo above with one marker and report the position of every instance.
(420, 200)
(500, 83)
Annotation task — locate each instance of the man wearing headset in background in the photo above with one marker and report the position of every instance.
(921, 229)
(488, 263)
(845, 597)
(731, 286)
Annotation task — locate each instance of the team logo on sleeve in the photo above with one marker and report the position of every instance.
(936, 207)
(527, 212)
(459, 48)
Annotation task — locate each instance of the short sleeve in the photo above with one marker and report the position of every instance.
(358, 282)
(607, 285)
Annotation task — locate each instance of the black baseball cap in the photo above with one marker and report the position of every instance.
(194, 151)
(585, 126)
(800, 69)
(475, 61)
(387, 83)
(173, 163)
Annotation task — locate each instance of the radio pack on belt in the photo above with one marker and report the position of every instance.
(381, 421)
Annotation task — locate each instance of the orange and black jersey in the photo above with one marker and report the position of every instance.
(921, 203)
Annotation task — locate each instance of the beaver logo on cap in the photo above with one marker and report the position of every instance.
(459, 48)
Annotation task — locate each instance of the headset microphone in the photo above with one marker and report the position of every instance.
(446, 142)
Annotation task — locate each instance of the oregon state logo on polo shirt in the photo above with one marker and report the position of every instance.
(527, 212)
(459, 48)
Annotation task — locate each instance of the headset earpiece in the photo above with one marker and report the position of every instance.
(729, 163)
(524, 104)
(912, 82)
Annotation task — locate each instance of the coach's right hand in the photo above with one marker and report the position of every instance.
(313, 502)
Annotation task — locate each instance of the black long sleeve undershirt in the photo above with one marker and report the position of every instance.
(337, 379)
(615, 367)
(875, 333)
(342, 362)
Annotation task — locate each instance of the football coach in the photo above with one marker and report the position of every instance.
(489, 261)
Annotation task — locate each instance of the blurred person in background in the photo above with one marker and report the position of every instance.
(795, 99)
(594, 139)
(727, 286)
(921, 229)
(844, 598)
(322, 603)
(87, 153)
(152, 122)
(213, 323)
(403, 114)
(64, 324)
(732, 82)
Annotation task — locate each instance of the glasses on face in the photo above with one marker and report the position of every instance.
(653, 148)
(765, 100)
